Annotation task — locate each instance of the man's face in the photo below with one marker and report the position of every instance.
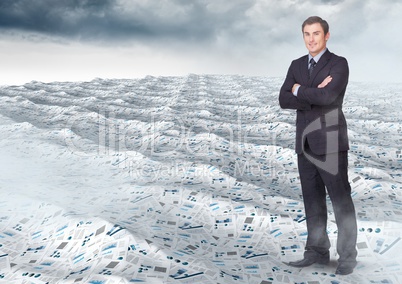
(314, 38)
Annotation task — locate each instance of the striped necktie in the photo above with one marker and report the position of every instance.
(311, 67)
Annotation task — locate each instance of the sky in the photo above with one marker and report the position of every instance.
(53, 40)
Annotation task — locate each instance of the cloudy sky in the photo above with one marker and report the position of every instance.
(55, 40)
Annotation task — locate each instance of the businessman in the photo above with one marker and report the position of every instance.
(315, 86)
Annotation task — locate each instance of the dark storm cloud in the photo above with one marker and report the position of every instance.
(124, 20)
(49, 16)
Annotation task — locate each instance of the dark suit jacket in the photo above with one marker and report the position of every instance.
(320, 119)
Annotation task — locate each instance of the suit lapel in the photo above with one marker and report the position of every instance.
(304, 70)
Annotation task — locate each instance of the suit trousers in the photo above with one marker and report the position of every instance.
(314, 182)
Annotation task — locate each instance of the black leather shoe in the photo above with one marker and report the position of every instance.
(345, 268)
(307, 261)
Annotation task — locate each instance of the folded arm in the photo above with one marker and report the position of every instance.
(329, 90)
(286, 98)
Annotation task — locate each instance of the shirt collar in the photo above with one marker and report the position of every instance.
(318, 56)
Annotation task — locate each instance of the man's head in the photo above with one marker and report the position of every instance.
(315, 33)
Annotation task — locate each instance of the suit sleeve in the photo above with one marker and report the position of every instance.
(327, 95)
(286, 98)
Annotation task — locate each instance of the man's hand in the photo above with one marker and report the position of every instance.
(294, 87)
(325, 82)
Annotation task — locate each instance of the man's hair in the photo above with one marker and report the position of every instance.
(315, 19)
